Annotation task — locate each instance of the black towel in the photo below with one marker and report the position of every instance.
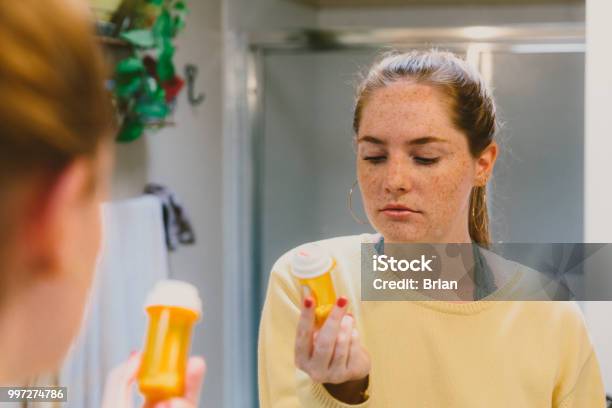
(176, 221)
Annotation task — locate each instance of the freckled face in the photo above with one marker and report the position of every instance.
(414, 167)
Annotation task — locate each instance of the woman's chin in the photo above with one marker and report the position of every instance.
(400, 232)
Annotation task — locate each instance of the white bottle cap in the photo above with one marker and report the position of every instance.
(175, 293)
(310, 261)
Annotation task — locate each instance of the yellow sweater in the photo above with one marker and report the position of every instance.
(435, 354)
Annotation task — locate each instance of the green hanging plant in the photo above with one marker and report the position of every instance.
(145, 83)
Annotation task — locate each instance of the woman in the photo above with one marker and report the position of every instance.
(55, 160)
(424, 126)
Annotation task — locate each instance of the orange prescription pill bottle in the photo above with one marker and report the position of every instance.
(312, 266)
(173, 307)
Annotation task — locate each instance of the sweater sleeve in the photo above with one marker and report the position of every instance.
(281, 383)
(579, 381)
(588, 391)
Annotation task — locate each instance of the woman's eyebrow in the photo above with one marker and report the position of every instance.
(426, 139)
(371, 139)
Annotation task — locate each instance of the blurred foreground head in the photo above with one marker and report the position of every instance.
(56, 128)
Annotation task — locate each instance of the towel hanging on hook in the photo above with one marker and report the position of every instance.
(176, 221)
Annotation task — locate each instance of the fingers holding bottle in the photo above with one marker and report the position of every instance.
(332, 354)
(305, 334)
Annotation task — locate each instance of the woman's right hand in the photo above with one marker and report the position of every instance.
(333, 355)
(120, 381)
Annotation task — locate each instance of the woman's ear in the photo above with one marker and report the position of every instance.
(53, 213)
(485, 163)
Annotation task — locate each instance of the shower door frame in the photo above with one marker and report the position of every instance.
(243, 133)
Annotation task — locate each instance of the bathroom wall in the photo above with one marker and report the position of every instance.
(187, 158)
(266, 15)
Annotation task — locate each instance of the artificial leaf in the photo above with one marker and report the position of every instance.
(165, 66)
(165, 70)
(167, 46)
(162, 29)
(131, 130)
(180, 5)
(139, 38)
(152, 87)
(129, 65)
(127, 88)
(160, 95)
(152, 109)
(156, 2)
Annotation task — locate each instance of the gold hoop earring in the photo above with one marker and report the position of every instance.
(350, 205)
(481, 180)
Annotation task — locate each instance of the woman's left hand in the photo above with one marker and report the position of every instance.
(118, 388)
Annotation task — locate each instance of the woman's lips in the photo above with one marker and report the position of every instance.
(399, 212)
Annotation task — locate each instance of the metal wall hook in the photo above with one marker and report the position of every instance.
(191, 71)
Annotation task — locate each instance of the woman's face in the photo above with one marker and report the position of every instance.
(414, 167)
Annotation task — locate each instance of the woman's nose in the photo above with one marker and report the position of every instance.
(397, 179)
